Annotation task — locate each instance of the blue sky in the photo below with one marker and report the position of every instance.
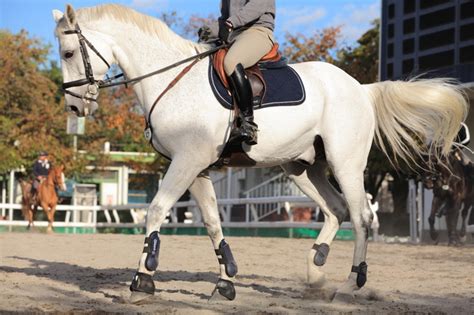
(294, 16)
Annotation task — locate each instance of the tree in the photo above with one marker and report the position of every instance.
(30, 117)
(362, 61)
(320, 46)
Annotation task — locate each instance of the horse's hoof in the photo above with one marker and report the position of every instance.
(224, 291)
(342, 297)
(139, 297)
(316, 280)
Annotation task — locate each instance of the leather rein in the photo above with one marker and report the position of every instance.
(94, 85)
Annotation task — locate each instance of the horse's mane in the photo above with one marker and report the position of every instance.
(144, 22)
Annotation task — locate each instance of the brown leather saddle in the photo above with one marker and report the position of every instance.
(254, 73)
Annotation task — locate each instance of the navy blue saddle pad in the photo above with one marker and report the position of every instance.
(284, 88)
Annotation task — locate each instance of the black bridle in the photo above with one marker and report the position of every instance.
(94, 85)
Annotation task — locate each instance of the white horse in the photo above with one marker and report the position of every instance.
(191, 128)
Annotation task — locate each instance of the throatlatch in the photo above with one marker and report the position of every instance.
(152, 249)
(361, 271)
(322, 252)
(143, 282)
(227, 259)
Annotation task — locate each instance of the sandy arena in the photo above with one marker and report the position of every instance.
(91, 274)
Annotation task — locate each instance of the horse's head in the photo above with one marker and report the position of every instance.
(58, 177)
(86, 56)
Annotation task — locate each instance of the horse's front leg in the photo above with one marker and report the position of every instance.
(49, 214)
(205, 196)
(178, 178)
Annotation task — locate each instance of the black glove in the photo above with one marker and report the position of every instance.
(204, 33)
(225, 28)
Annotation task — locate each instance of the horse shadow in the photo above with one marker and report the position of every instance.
(95, 280)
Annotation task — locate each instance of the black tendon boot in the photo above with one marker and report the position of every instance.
(242, 91)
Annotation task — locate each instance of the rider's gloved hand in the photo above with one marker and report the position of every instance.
(204, 33)
(224, 31)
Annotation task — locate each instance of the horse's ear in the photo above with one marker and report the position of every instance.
(57, 15)
(70, 15)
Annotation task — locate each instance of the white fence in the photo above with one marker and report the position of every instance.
(89, 214)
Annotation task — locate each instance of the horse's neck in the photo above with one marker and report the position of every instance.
(50, 179)
(139, 53)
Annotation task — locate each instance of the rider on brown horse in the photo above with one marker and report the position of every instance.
(40, 171)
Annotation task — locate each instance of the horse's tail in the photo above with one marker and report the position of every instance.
(410, 114)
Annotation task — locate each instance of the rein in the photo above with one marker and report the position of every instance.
(94, 85)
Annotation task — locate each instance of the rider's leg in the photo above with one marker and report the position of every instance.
(203, 192)
(239, 57)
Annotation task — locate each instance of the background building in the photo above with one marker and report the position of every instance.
(432, 37)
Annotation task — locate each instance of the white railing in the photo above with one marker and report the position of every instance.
(277, 186)
(89, 214)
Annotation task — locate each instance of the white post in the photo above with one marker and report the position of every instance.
(11, 194)
(4, 196)
(124, 185)
(419, 208)
(412, 208)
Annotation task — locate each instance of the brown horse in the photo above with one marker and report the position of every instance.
(46, 197)
(453, 193)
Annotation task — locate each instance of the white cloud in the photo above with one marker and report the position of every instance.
(149, 4)
(355, 20)
(305, 16)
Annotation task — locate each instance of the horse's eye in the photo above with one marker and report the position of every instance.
(68, 54)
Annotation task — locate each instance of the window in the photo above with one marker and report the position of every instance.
(391, 31)
(409, 26)
(437, 18)
(390, 70)
(466, 54)
(467, 10)
(391, 11)
(439, 60)
(408, 46)
(409, 6)
(467, 32)
(437, 39)
(390, 51)
(408, 66)
(424, 4)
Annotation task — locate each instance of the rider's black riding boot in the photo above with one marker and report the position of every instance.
(242, 91)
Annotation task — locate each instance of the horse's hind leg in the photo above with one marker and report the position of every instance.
(351, 181)
(465, 211)
(178, 178)
(313, 182)
(452, 217)
(205, 196)
(431, 219)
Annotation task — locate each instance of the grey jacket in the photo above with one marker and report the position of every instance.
(244, 14)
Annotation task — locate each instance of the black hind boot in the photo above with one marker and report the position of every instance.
(242, 91)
